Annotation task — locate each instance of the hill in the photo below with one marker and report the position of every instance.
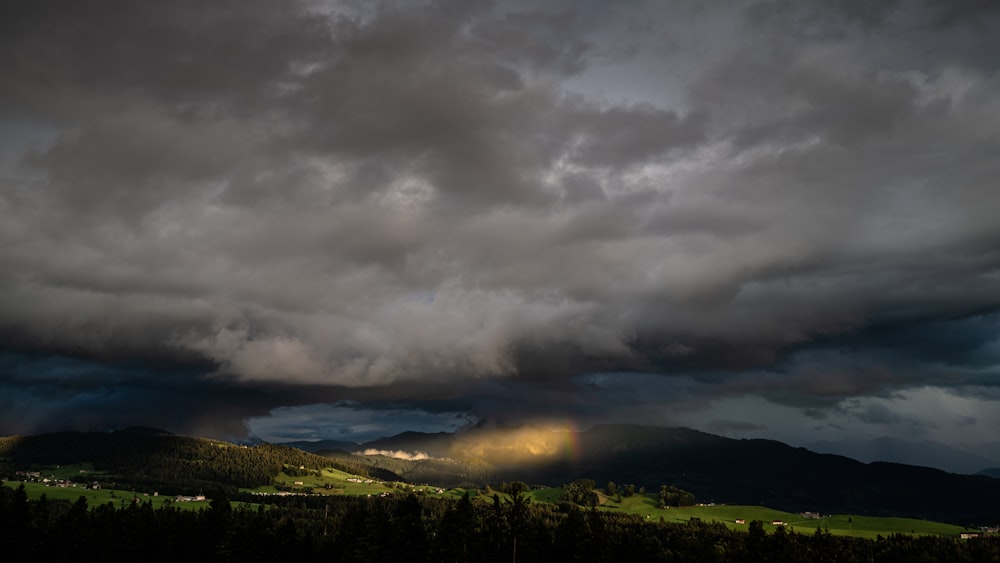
(714, 468)
(313, 446)
(168, 461)
(719, 469)
(444, 472)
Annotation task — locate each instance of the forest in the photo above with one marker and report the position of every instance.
(172, 464)
(408, 527)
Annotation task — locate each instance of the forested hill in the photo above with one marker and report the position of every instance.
(776, 474)
(162, 459)
(727, 470)
(714, 468)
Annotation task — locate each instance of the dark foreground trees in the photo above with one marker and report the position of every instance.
(411, 528)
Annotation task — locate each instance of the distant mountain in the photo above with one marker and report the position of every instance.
(250, 440)
(417, 457)
(320, 445)
(989, 450)
(443, 472)
(991, 472)
(437, 444)
(167, 462)
(925, 453)
(718, 469)
(714, 468)
(145, 430)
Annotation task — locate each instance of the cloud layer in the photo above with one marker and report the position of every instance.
(422, 203)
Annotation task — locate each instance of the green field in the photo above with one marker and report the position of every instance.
(328, 481)
(100, 496)
(331, 481)
(549, 495)
(841, 524)
(334, 482)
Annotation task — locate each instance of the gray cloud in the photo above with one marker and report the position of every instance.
(445, 205)
(734, 426)
(350, 421)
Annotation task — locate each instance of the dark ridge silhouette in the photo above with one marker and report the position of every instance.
(320, 445)
(714, 468)
(169, 462)
(767, 472)
(145, 430)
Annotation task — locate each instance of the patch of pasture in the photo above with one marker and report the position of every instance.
(550, 495)
(841, 525)
(99, 497)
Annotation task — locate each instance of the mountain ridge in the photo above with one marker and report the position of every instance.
(926, 453)
(715, 468)
(722, 469)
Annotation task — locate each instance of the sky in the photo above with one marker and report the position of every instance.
(323, 219)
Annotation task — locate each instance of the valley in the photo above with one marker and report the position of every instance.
(136, 491)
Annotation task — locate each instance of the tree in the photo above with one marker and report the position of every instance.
(410, 541)
(673, 496)
(581, 492)
(219, 505)
(573, 537)
(456, 534)
(519, 503)
(756, 541)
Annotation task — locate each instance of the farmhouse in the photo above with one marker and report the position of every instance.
(778, 523)
(741, 521)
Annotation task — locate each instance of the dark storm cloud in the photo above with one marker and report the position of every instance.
(734, 426)
(967, 12)
(446, 207)
(62, 58)
(54, 393)
(351, 422)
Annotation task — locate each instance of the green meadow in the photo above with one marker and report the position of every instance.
(331, 481)
(334, 482)
(100, 496)
(839, 524)
(327, 481)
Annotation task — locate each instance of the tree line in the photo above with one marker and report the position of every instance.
(411, 528)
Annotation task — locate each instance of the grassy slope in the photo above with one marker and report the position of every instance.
(858, 526)
(100, 496)
(643, 505)
(342, 483)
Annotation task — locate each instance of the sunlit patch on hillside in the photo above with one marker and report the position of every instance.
(533, 444)
(397, 454)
